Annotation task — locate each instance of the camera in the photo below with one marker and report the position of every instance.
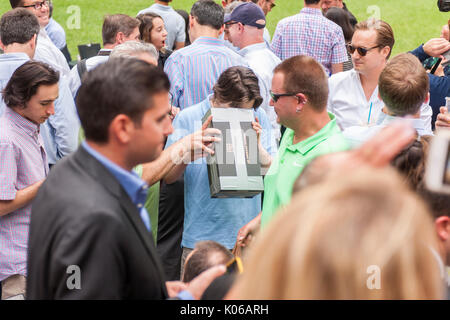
(444, 5)
(437, 176)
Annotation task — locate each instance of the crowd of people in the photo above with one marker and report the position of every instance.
(104, 185)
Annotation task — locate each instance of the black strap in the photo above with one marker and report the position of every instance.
(81, 68)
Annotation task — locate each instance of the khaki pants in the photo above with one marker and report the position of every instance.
(13, 286)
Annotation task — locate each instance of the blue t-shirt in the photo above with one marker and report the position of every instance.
(207, 218)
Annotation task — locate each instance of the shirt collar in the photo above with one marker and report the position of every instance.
(26, 125)
(252, 47)
(313, 11)
(135, 187)
(209, 41)
(323, 134)
(15, 56)
(161, 7)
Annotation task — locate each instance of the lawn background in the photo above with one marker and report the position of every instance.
(413, 21)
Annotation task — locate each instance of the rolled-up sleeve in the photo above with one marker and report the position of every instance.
(8, 171)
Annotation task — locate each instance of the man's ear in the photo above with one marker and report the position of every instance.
(442, 225)
(33, 42)
(120, 37)
(386, 50)
(427, 99)
(222, 29)
(121, 129)
(191, 21)
(301, 98)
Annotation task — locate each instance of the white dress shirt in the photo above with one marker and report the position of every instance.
(48, 53)
(357, 135)
(348, 102)
(262, 61)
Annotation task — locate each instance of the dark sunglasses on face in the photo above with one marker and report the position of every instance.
(362, 51)
(276, 96)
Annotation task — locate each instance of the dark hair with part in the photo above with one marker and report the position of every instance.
(237, 85)
(16, 3)
(208, 13)
(113, 24)
(206, 254)
(18, 26)
(102, 95)
(303, 74)
(341, 18)
(25, 82)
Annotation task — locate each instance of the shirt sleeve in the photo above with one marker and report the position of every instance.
(276, 45)
(174, 71)
(268, 139)
(65, 122)
(8, 171)
(339, 53)
(181, 32)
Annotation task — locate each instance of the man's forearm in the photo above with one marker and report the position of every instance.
(154, 171)
(23, 198)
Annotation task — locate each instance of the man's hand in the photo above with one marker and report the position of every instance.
(443, 118)
(247, 232)
(436, 47)
(200, 283)
(198, 144)
(175, 287)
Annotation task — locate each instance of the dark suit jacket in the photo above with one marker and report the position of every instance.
(82, 216)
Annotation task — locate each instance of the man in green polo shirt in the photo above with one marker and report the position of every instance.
(299, 96)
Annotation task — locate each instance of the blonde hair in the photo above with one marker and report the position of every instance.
(324, 243)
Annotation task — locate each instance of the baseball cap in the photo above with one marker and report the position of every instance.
(248, 14)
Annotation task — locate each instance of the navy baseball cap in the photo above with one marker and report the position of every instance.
(248, 14)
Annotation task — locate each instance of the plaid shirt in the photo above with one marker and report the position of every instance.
(310, 33)
(22, 163)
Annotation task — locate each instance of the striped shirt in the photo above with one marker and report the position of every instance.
(310, 33)
(22, 163)
(194, 70)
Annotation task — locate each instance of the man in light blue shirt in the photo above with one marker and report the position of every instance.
(403, 86)
(173, 22)
(207, 218)
(194, 70)
(244, 28)
(60, 131)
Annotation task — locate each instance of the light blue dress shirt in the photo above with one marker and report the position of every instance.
(263, 61)
(194, 70)
(207, 218)
(56, 33)
(134, 186)
(60, 131)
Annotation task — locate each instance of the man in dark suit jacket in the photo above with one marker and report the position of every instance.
(90, 234)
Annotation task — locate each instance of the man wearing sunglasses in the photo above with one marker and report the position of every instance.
(354, 94)
(46, 51)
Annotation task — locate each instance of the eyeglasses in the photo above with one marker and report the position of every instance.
(276, 96)
(272, 5)
(362, 51)
(37, 5)
(228, 24)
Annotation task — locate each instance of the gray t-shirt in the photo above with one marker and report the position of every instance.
(173, 22)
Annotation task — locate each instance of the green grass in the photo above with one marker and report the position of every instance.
(413, 21)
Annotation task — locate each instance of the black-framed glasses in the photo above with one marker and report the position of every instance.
(276, 96)
(229, 24)
(362, 51)
(38, 5)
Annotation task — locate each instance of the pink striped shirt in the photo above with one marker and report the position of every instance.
(23, 162)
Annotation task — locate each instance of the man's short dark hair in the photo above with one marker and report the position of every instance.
(237, 85)
(18, 26)
(312, 1)
(120, 86)
(115, 23)
(206, 254)
(16, 3)
(303, 74)
(208, 13)
(439, 203)
(25, 82)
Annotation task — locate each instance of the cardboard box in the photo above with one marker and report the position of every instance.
(234, 171)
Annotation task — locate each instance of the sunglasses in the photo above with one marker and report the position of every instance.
(362, 51)
(276, 96)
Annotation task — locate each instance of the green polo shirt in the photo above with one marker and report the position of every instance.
(290, 161)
